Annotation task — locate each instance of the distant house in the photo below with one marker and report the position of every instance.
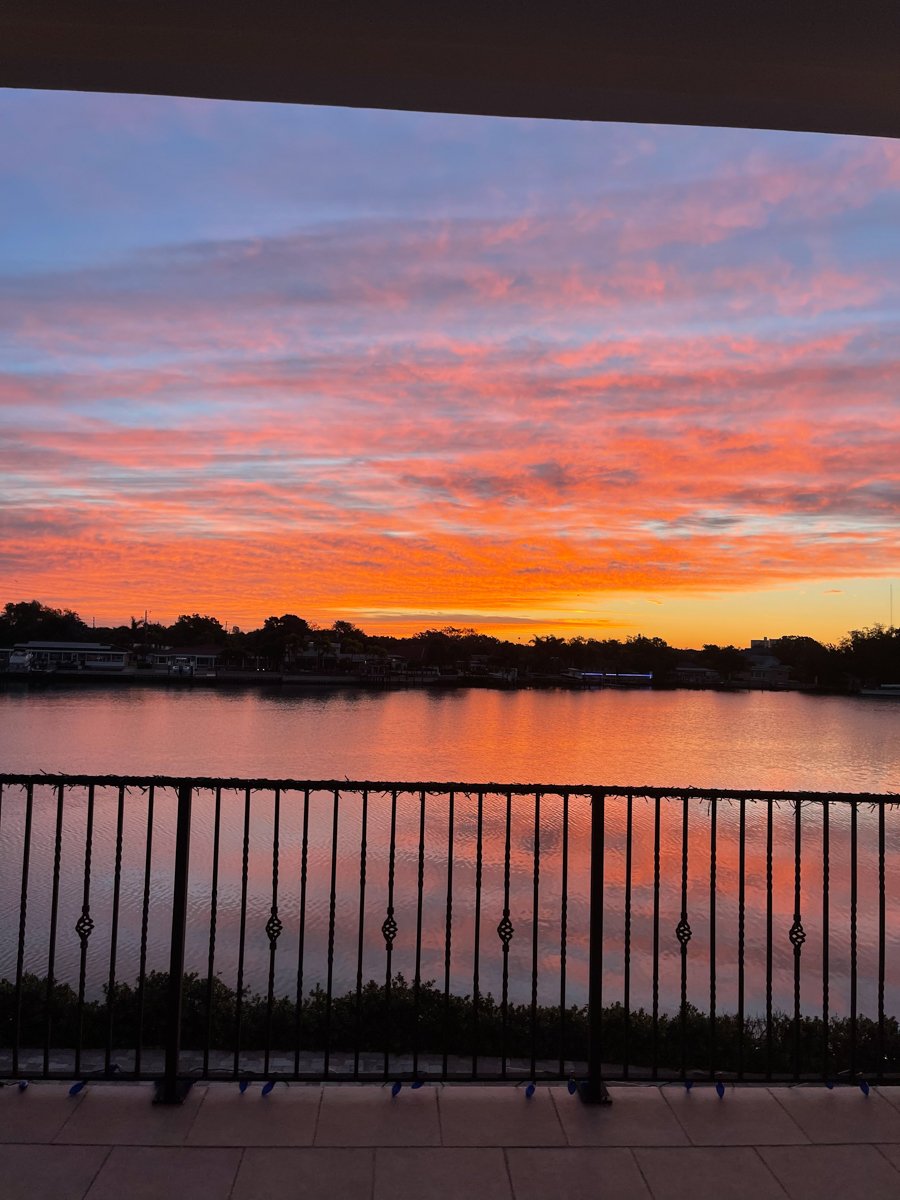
(188, 660)
(66, 656)
(692, 675)
(763, 669)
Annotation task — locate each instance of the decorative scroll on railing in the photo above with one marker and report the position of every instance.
(232, 928)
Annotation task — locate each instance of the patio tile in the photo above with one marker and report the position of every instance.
(294, 1174)
(441, 1174)
(743, 1117)
(37, 1114)
(498, 1116)
(638, 1116)
(810, 1172)
(123, 1114)
(63, 1172)
(577, 1173)
(841, 1114)
(890, 1092)
(370, 1116)
(150, 1172)
(728, 1173)
(286, 1117)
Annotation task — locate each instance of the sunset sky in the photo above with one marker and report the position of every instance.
(414, 370)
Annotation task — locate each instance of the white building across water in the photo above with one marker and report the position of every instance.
(65, 656)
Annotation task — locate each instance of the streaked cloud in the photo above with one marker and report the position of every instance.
(485, 389)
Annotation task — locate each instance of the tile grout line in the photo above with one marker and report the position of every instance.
(372, 1158)
(640, 1169)
(237, 1170)
(105, 1159)
(504, 1150)
(74, 1109)
(556, 1111)
(773, 1092)
(678, 1121)
(315, 1132)
(561, 1123)
(190, 1128)
(879, 1146)
(771, 1171)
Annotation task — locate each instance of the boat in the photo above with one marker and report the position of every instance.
(887, 691)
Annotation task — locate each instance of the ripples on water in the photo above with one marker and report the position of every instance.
(757, 740)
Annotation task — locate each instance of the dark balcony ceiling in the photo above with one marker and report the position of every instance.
(785, 64)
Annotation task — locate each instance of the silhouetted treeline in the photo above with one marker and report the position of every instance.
(864, 657)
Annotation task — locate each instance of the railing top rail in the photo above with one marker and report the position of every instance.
(443, 788)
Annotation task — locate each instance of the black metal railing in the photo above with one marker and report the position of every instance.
(210, 928)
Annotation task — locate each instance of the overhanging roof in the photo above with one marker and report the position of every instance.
(784, 64)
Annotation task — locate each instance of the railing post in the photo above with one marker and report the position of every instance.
(171, 1089)
(593, 1090)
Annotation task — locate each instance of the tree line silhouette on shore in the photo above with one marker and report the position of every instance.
(866, 657)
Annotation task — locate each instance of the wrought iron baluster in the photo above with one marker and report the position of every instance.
(656, 871)
(54, 906)
(742, 884)
(213, 926)
(683, 931)
(626, 970)
(417, 977)
(84, 926)
(505, 933)
(769, 842)
(593, 1090)
(713, 815)
(112, 987)
(534, 930)
(448, 933)
(145, 924)
(881, 941)
(563, 932)
(389, 932)
(242, 935)
(332, 910)
(797, 934)
(854, 863)
(274, 927)
(23, 911)
(476, 997)
(826, 869)
(173, 1090)
(301, 936)
(363, 849)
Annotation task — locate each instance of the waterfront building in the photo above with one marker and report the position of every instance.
(65, 656)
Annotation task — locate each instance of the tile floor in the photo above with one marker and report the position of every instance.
(451, 1143)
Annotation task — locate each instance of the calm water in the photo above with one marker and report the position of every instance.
(700, 739)
(761, 740)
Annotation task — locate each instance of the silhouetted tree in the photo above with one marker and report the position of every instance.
(29, 620)
(195, 630)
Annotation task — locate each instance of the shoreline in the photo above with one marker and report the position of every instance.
(39, 681)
